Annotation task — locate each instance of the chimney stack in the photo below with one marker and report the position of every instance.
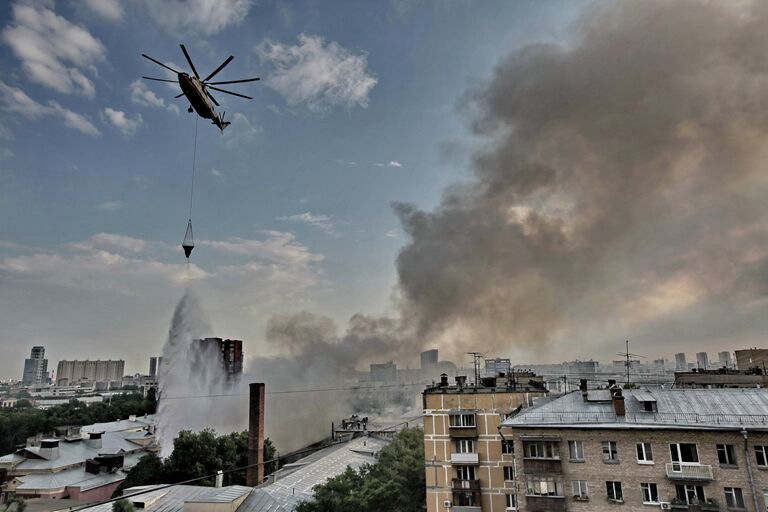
(94, 440)
(611, 383)
(618, 402)
(255, 473)
(443, 380)
(583, 389)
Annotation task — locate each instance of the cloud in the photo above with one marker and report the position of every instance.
(110, 205)
(111, 10)
(206, 17)
(217, 173)
(324, 223)
(122, 122)
(53, 52)
(278, 246)
(141, 95)
(111, 242)
(241, 132)
(317, 74)
(392, 163)
(18, 102)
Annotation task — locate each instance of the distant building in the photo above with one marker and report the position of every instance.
(384, 372)
(153, 367)
(72, 372)
(702, 360)
(230, 352)
(467, 466)
(611, 449)
(429, 360)
(582, 369)
(86, 463)
(752, 358)
(35, 368)
(497, 366)
(680, 364)
(721, 378)
(725, 359)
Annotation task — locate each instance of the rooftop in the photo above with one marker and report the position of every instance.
(709, 409)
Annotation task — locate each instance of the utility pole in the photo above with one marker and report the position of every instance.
(476, 365)
(628, 362)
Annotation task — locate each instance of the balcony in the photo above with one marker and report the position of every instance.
(465, 458)
(542, 466)
(701, 472)
(462, 432)
(465, 485)
(547, 503)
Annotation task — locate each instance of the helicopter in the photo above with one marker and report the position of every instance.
(196, 90)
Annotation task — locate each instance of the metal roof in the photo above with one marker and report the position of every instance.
(171, 499)
(712, 409)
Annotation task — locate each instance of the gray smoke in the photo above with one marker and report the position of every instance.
(620, 190)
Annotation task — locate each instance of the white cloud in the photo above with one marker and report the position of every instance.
(111, 10)
(242, 132)
(217, 173)
(394, 163)
(322, 222)
(122, 122)
(111, 242)
(278, 247)
(141, 95)
(53, 51)
(110, 205)
(17, 101)
(317, 74)
(206, 17)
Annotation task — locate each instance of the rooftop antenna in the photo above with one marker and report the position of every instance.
(476, 365)
(628, 362)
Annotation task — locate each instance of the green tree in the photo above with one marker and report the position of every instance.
(148, 471)
(15, 504)
(122, 506)
(395, 482)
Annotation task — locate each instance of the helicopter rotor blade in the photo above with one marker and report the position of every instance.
(230, 92)
(229, 59)
(234, 81)
(212, 99)
(160, 63)
(183, 49)
(160, 79)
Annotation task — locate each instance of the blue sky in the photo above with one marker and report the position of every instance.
(359, 106)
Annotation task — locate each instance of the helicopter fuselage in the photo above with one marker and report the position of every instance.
(194, 90)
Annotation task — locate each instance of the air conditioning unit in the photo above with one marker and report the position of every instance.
(447, 504)
(664, 505)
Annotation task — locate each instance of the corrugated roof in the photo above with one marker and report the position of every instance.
(676, 408)
(76, 477)
(171, 499)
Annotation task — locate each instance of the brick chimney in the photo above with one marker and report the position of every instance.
(583, 389)
(618, 402)
(255, 474)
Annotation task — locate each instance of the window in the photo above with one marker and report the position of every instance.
(765, 498)
(509, 473)
(644, 453)
(761, 453)
(690, 492)
(465, 472)
(507, 447)
(579, 488)
(465, 446)
(544, 486)
(733, 497)
(610, 452)
(511, 502)
(614, 491)
(683, 454)
(463, 420)
(541, 449)
(576, 450)
(726, 454)
(650, 493)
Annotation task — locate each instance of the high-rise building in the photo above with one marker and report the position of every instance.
(702, 360)
(429, 360)
(153, 367)
(752, 358)
(71, 372)
(725, 359)
(497, 366)
(230, 351)
(35, 368)
(680, 364)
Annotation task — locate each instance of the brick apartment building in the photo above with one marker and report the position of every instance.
(466, 467)
(633, 450)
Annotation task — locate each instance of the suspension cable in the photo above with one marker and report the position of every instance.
(194, 161)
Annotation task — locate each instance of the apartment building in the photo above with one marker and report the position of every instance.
(73, 372)
(468, 469)
(670, 449)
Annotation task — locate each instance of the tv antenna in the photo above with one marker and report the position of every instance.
(628, 362)
(476, 356)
